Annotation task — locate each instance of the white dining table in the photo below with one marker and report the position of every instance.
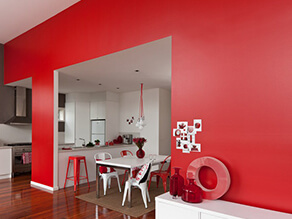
(128, 163)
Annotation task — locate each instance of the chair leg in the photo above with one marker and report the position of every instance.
(124, 177)
(143, 193)
(117, 176)
(148, 196)
(105, 179)
(86, 173)
(75, 174)
(149, 182)
(164, 182)
(109, 182)
(67, 173)
(157, 181)
(78, 172)
(125, 192)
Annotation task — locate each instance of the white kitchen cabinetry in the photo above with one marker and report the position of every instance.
(5, 162)
(82, 122)
(97, 110)
(167, 208)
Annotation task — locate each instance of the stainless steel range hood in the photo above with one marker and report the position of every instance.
(22, 107)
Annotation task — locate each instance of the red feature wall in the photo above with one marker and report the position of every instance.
(231, 67)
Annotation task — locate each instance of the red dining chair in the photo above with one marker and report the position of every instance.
(161, 173)
(134, 172)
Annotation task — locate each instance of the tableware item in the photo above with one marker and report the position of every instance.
(140, 153)
(176, 183)
(191, 192)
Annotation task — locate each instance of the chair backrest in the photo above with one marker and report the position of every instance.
(144, 173)
(164, 162)
(126, 153)
(102, 156)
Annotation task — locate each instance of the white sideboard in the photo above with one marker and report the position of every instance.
(167, 208)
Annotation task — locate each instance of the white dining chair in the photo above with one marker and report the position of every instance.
(106, 173)
(140, 181)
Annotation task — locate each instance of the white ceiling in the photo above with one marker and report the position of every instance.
(117, 70)
(18, 16)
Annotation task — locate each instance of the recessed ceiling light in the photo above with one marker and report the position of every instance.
(118, 88)
(99, 84)
(137, 71)
(77, 79)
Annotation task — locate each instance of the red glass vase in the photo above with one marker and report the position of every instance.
(176, 183)
(140, 153)
(192, 193)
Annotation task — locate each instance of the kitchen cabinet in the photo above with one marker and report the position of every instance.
(5, 162)
(82, 122)
(97, 110)
(167, 207)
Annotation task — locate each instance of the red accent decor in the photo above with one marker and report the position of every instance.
(222, 173)
(163, 174)
(176, 183)
(76, 164)
(103, 169)
(140, 153)
(192, 193)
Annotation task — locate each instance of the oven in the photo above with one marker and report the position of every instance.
(18, 165)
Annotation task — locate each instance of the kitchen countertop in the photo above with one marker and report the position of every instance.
(5, 147)
(95, 148)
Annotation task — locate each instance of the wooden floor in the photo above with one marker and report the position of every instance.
(19, 200)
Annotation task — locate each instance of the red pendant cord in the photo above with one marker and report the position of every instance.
(141, 102)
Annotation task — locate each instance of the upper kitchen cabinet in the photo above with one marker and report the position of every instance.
(97, 110)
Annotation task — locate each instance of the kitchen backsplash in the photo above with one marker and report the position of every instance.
(14, 134)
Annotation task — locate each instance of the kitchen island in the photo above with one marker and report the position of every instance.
(5, 162)
(88, 152)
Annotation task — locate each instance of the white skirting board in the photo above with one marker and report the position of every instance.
(43, 187)
(5, 176)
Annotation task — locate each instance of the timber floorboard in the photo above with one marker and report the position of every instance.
(19, 200)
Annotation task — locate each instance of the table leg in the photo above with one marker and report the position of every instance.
(130, 189)
(97, 182)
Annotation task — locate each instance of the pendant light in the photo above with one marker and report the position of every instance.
(141, 119)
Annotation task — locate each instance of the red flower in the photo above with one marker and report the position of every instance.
(139, 142)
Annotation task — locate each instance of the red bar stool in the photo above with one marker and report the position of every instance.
(76, 163)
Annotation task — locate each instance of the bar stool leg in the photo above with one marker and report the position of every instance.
(78, 172)
(86, 172)
(67, 173)
(75, 173)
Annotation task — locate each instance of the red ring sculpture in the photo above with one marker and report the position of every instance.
(223, 177)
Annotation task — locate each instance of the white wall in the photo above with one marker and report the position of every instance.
(129, 106)
(14, 134)
(164, 122)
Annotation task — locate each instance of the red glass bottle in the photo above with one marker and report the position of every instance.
(192, 193)
(176, 183)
